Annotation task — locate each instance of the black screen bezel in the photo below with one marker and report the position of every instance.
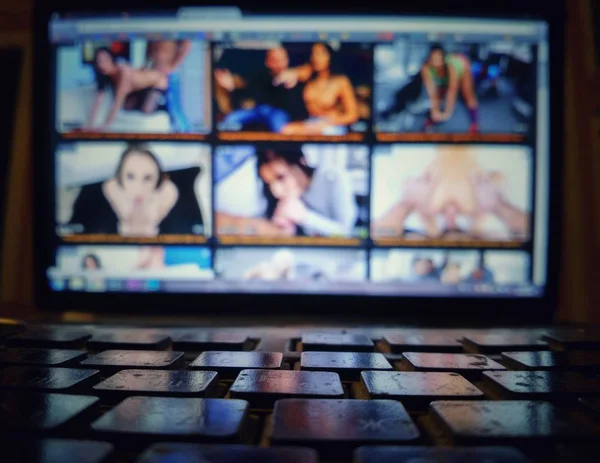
(484, 309)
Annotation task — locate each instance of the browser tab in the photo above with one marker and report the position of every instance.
(215, 12)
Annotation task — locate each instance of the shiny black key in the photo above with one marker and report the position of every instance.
(191, 453)
(468, 365)
(44, 379)
(56, 451)
(200, 342)
(111, 361)
(497, 343)
(336, 427)
(553, 386)
(422, 342)
(337, 342)
(167, 418)
(348, 365)
(160, 383)
(135, 339)
(523, 423)
(570, 360)
(415, 389)
(261, 388)
(50, 338)
(41, 357)
(573, 339)
(438, 455)
(229, 364)
(26, 411)
(10, 327)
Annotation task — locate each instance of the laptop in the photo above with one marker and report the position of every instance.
(303, 234)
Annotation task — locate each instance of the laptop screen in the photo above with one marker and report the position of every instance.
(215, 151)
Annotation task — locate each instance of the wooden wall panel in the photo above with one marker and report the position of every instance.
(580, 273)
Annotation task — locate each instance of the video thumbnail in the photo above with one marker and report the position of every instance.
(114, 191)
(451, 193)
(135, 87)
(292, 90)
(135, 262)
(304, 191)
(450, 267)
(282, 264)
(450, 87)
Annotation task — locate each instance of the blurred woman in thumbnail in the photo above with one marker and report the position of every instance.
(320, 201)
(140, 193)
(329, 98)
(453, 185)
(91, 262)
(140, 88)
(444, 74)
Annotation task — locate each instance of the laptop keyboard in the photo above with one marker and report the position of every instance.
(97, 394)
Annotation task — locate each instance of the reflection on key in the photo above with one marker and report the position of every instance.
(190, 453)
(337, 427)
(468, 365)
(570, 360)
(497, 343)
(554, 386)
(111, 361)
(348, 365)
(41, 357)
(337, 342)
(56, 451)
(229, 364)
(416, 390)
(46, 379)
(200, 342)
(263, 387)
(152, 418)
(422, 342)
(22, 411)
(135, 339)
(158, 383)
(438, 455)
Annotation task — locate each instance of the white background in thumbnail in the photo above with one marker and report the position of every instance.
(390, 172)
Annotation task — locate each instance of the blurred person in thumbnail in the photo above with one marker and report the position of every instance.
(140, 89)
(301, 199)
(141, 193)
(279, 267)
(424, 269)
(482, 274)
(91, 262)
(453, 185)
(278, 99)
(328, 96)
(444, 75)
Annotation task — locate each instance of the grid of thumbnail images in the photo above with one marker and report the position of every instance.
(408, 161)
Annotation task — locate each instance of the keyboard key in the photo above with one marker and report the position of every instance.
(160, 383)
(134, 339)
(521, 423)
(56, 451)
(111, 361)
(200, 342)
(229, 364)
(497, 343)
(191, 453)
(553, 386)
(468, 365)
(422, 342)
(438, 455)
(24, 411)
(337, 343)
(10, 327)
(46, 357)
(50, 338)
(348, 365)
(415, 389)
(263, 387)
(573, 339)
(151, 418)
(571, 360)
(336, 427)
(44, 379)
